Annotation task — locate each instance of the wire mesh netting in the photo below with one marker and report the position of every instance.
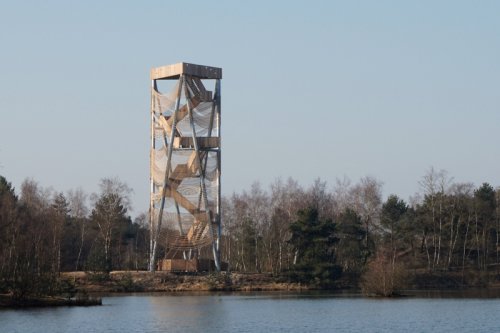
(185, 159)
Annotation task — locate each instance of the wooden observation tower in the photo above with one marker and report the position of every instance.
(185, 163)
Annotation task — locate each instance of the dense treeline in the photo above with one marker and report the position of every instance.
(43, 233)
(316, 234)
(448, 227)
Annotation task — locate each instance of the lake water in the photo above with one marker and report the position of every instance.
(264, 312)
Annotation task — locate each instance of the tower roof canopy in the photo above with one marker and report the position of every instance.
(172, 72)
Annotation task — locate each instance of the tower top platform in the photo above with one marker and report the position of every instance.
(172, 72)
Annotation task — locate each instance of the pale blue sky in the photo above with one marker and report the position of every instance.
(311, 89)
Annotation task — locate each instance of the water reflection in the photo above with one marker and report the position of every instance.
(194, 313)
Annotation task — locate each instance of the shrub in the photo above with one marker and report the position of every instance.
(383, 277)
(127, 283)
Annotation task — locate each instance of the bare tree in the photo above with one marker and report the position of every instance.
(140, 238)
(286, 200)
(115, 186)
(78, 210)
(320, 199)
(342, 195)
(36, 200)
(228, 222)
(435, 185)
(34, 196)
(367, 202)
(258, 210)
(459, 214)
(109, 210)
(59, 210)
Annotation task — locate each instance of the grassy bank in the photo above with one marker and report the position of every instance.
(143, 281)
(138, 281)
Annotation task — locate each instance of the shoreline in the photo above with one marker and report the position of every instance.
(144, 281)
(161, 281)
(95, 298)
(91, 285)
(7, 302)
